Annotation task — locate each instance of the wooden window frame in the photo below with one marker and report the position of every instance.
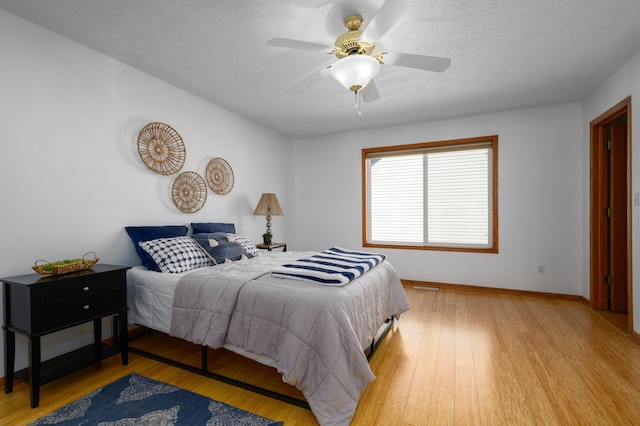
(493, 140)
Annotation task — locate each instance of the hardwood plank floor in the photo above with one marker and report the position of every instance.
(458, 357)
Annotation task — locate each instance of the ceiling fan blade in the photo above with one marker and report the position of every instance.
(387, 16)
(370, 92)
(421, 62)
(298, 44)
(310, 80)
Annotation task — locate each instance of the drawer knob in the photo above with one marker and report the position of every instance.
(86, 288)
(85, 307)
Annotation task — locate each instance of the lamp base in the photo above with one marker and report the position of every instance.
(267, 237)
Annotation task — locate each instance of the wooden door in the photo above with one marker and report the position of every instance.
(610, 211)
(617, 229)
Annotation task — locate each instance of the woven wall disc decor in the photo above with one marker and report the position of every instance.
(189, 192)
(161, 148)
(220, 176)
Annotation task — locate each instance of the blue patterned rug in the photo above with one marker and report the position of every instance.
(137, 400)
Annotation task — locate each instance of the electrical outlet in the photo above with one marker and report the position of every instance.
(541, 269)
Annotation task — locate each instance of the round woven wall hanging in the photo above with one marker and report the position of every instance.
(219, 176)
(189, 192)
(161, 148)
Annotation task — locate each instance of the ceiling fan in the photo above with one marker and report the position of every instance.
(358, 62)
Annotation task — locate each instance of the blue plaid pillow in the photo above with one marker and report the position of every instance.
(147, 233)
(175, 255)
(249, 247)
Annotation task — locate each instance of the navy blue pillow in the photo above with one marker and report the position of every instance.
(148, 233)
(220, 248)
(210, 227)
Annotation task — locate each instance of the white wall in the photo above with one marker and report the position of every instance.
(72, 179)
(541, 198)
(624, 83)
(69, 168)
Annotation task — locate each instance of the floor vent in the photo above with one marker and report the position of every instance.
(420, 287)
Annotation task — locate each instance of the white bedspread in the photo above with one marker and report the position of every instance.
(314, 334)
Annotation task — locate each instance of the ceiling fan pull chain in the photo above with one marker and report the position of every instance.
(359, 102)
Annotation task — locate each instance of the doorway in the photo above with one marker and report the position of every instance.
(611, 201)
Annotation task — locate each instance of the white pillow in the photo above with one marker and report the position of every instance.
(177, 254)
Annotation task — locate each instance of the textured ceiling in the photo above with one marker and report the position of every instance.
(505, 53)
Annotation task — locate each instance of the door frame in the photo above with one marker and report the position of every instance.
(598, 203)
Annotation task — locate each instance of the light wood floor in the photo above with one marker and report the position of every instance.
(458, 357)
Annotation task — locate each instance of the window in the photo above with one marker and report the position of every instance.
(432, 196)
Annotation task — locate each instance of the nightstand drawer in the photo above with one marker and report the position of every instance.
(72, 310)
(79, 288)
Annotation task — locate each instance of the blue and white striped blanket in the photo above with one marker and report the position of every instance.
(335, 267)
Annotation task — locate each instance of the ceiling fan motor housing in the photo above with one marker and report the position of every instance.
(349, 43)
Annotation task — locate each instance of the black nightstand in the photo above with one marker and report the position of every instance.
(36, 305)
(272, 246)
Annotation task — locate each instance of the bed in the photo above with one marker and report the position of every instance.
(315, 334)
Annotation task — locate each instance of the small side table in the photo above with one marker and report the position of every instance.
(272, 246)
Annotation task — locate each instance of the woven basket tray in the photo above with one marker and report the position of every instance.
(65, 266)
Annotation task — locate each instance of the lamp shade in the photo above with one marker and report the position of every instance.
(268, 205)
(355, 71)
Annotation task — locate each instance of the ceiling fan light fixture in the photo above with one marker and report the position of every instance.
(355, 71)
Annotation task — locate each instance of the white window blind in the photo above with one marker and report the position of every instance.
(458, 197)
(396, 205)
(439, 196)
